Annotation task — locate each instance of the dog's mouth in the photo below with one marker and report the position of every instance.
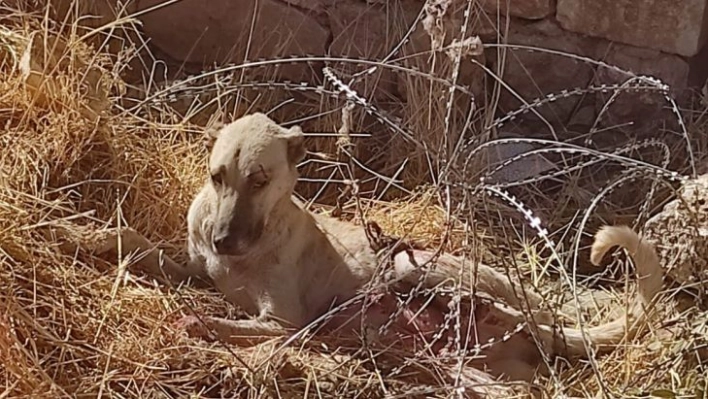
(231, 248)
(238, 239)
(235, 246)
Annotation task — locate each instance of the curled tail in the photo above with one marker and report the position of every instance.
(650, 278)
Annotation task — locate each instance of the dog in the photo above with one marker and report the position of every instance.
(286, 266)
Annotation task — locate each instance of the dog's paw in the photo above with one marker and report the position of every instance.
(194, 327)
(112, 239)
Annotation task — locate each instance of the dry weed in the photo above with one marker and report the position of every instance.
(72, 325)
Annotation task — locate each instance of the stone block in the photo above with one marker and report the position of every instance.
(639, 111)
(223, 31)
(528, 9)
(671, 69)
(535, 74)
(698, 68)
(470, 74)
(315, 5)
(523, 168)
(369, 31)
(673, 26)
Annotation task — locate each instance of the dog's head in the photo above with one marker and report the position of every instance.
(253, 168)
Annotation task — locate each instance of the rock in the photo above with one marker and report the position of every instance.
(699, 73)
(680, 235)
(640, 111)
(372, 31)
(481, 26)
(535, 74)
(522, 168)
(219, 31)
(361, 30)
(528, 9)
(368, 31)
(670, 69)
(677, 27)
(314, 5)
(487, 27)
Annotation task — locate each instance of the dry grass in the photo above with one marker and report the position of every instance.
(72, 325)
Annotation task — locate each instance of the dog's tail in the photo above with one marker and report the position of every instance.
(650, 278)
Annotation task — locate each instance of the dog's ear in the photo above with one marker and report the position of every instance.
(296, 145)
(211, 133)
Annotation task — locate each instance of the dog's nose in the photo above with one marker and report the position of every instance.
(221, 243)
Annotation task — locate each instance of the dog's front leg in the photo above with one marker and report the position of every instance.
(238, 332)
(127, 240)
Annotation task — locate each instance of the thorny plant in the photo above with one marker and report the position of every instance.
(461, 187)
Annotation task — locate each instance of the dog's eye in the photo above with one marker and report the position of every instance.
(258, 179)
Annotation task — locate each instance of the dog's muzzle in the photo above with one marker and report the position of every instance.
(233, 244)
(223, 244)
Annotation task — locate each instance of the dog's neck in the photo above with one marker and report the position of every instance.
(283, 216)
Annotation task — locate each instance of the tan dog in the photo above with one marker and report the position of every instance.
(287, 267)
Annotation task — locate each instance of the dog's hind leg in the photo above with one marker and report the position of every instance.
(488, 281)
(127, 240)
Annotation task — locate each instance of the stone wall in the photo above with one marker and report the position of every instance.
(662, 38)
(195, 30)
(583, 38)
(659, 37)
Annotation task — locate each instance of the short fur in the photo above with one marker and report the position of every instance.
(287, 266)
